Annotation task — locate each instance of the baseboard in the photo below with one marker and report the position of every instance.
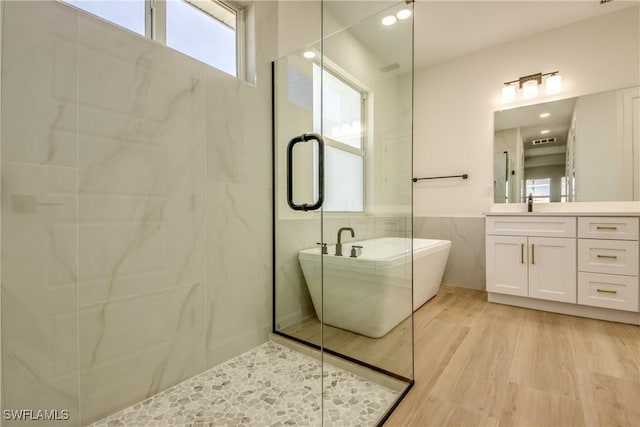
(620, 316)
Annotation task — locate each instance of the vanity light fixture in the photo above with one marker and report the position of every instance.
(530, 89)
(389, 20)
(530, 84)
(508, 93)
(553, 84)
(309, 54)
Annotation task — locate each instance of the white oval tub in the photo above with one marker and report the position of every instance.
(371, 294)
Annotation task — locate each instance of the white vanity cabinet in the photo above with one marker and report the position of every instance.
(608, 258)
(532, 257)
(585, 265)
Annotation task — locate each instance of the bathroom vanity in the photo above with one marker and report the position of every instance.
(583, 264)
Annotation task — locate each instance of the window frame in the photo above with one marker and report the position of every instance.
(327, 66)
(156, 27)
(543, 198)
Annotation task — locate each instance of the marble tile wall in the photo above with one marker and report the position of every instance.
(135, 194)
(466, 263)
(39, 208)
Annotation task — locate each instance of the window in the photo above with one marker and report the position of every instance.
(540, 188)
(203, 29)
(130, 14)
(563, 189)
(211, 35)
(343, 125)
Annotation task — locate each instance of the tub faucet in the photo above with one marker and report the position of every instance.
(339, 244)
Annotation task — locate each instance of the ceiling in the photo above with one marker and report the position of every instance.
(448, 29)
(531, 125)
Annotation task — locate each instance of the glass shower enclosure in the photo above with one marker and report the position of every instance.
(342, 194)
(136, 247)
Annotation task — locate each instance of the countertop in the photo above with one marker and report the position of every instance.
(534, 213)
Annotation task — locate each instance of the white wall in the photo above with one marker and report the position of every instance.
(455, 101)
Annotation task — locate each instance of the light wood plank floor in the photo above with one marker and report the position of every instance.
(392, 352)
(479, 363)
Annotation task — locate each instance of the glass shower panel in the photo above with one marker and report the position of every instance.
(298, 186)
(368, 271)
(343, 272)
(295, 230)
(344, 182)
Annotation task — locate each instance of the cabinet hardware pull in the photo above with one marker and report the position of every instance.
(607, 256)
(533, 254)
(606, 291)
(521, 253)
(602, 227)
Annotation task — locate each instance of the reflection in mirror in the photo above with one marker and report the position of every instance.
(581, 149)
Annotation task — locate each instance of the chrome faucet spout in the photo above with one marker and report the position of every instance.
(339, 243)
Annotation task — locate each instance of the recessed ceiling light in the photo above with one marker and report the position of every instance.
(404, 13)
(544, 132)
(309, 54)
(389, 20)
(544, 115)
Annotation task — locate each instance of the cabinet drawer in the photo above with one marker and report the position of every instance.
(620, 228)
(608, 256)
(531, 226)
(608, 291)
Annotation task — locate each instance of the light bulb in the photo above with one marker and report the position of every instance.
(544, 132)
(403, 14)
(389, 20)
(309, 54)
(544, 115)
(530, 89)
(508, 93)
(553, 84)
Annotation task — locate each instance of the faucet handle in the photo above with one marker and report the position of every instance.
(355, 251)
(324, 248)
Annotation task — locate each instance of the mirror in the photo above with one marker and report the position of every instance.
(583, 149)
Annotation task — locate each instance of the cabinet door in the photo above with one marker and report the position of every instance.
(507, 265)
(552, 269)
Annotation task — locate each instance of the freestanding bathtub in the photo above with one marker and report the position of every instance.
(371, 294)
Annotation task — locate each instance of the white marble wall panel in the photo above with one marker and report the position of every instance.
(239, 269)
(239, 114)
(142, 179)
(466, 263)
(239, 237)
(39, 84)
(135, 347)
(106, 149)
(39, 295)
(39, 209)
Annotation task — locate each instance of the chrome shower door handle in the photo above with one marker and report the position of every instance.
(318, 203)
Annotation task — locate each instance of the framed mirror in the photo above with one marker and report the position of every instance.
(582, 149)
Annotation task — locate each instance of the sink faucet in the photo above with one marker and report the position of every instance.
(339, 244)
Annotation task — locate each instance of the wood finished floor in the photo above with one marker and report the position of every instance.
(485, 364)
(392, 352)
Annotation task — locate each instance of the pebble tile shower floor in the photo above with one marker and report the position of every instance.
(270, 385)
